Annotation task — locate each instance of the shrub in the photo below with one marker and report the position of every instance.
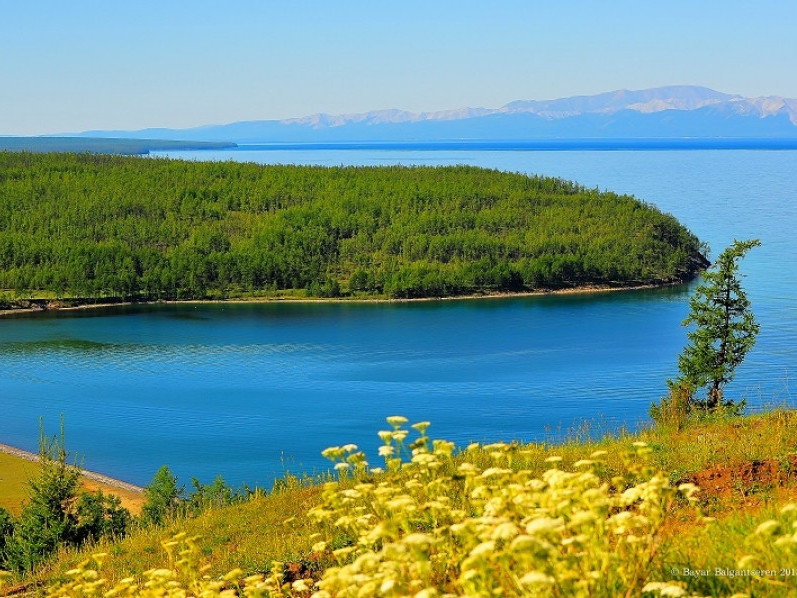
(100, 515)
(674, 409)
(162, 498)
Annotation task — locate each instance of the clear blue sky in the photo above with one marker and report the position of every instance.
(103, 64)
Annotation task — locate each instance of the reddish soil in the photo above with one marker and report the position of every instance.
(745, 478)
(311, 567)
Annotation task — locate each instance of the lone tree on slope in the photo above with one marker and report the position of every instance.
(725, 329)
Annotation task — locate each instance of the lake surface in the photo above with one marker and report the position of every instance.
(253, 391)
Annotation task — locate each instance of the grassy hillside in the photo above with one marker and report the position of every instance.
(97, 227)
(446, 515)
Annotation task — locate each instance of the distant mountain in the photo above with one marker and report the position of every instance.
(665, 112)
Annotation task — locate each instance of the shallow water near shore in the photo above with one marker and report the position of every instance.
(253, 391)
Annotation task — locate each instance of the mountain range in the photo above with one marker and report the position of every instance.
(674, 112)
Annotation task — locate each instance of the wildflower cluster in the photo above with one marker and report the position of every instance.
(183, 576)
(772, 552)
(440, 523)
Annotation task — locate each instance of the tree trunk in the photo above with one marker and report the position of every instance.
(714, 396)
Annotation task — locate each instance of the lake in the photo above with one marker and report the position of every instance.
(254, 391)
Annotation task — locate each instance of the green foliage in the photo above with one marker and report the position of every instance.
(6, 301)
(56, 513)
(100, 227)
(100, 515)
(674, 409)
(162, 498)
(724, 327)
(6, 531)
(47, 518)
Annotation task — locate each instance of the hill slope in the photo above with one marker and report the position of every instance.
(480, 489)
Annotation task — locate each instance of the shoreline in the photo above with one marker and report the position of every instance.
(55, 305)
(89, 475)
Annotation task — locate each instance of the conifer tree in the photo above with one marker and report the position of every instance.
(48, 518)
(724, 327)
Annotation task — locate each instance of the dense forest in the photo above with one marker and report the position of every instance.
(96, 227)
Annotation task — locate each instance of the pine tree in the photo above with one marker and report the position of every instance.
(48, 518)
(725, 329)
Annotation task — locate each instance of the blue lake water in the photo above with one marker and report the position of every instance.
(253, 391)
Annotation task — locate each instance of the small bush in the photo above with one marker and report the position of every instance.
(162, 498)
(673, 410)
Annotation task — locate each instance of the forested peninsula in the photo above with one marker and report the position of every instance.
(104, 145)
(94, 227)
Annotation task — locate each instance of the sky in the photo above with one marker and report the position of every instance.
(100, 64)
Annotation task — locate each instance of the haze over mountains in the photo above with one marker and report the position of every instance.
(666, 112)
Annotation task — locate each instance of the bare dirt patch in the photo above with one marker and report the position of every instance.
(722, 481)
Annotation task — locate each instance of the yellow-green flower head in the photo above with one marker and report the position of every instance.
(300, 585)
(422, 427)
(665, 588)
(400, 435)
(397, 420)
(418, 539)
(495, 471)
(467, 469)
(332, 453)
(536, 578)
(496, 446)
(789, 508)
(768, 528)
(505, 531)
(483, 550)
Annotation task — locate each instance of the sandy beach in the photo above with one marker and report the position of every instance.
(92, 476)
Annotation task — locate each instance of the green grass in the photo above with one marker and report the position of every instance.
(14, 474)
